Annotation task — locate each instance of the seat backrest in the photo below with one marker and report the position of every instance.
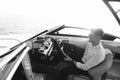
(114, 72)
(99, 70)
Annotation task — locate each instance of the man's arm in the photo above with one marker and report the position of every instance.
(93, 61)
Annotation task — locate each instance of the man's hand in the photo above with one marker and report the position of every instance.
(59, 41)
(81, 66)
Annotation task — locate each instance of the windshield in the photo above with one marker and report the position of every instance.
(45, 14)
(74, 31)
(6, 44)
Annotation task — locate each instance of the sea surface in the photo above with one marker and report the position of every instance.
(19, 34)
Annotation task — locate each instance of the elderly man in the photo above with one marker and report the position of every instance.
(94, 54)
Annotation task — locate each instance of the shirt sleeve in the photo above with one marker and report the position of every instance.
(86, 52)
(93, 61)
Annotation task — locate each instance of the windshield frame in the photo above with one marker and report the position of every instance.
(111, 9)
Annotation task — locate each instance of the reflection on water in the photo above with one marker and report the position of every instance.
(19, 33)
(20, 36)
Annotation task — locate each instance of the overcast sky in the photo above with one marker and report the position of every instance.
(38, 14)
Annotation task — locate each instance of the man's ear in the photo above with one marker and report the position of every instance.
(98, 37)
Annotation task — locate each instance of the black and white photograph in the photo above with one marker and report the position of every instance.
(59, 39)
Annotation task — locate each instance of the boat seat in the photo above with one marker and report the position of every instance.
(114, 72)
(98, 73)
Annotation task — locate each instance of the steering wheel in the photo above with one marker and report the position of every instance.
(48, 50)
(61, 45)
(46, 46)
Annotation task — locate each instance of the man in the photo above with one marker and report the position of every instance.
(94, 54)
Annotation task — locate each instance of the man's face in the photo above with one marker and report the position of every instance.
(92, 37)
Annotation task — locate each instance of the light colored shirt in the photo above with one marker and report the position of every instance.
(93, 56)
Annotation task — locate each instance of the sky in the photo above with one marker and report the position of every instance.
(37, 15)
